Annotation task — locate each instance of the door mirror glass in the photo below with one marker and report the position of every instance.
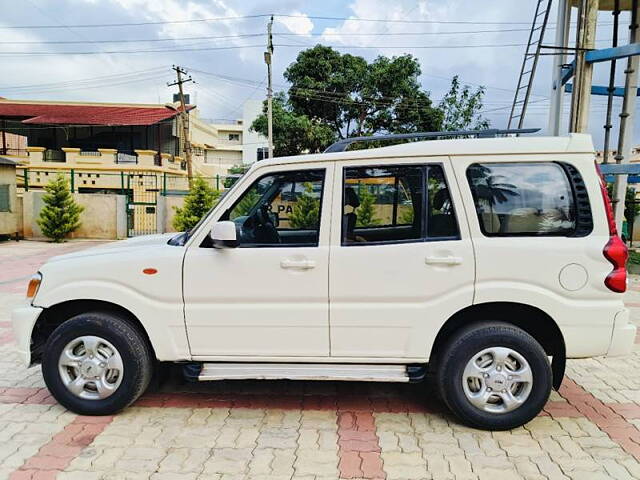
(224, 235)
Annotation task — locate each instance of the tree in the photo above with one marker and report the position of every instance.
(61, 214)
(461, 108)
(200, 199)
(306, 211)
(335, 96)
(366, 211)
(293, 133)
(234, 170)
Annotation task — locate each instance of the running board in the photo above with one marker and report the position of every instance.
(304, 371)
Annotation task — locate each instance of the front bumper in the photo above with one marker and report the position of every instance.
(623, 336)
(24, 318)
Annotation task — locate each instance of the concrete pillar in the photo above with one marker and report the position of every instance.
(121, 217)
(585, 39)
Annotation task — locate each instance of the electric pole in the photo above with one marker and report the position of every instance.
(267, 59)
(184, 116)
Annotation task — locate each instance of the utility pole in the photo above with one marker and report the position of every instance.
(184, 116)
(625, 137)
(267, 59)
(585, 40)
(562, 40)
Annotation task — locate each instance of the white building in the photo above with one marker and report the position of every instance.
(255, 146)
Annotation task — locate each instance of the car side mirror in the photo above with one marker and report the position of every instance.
(224, 235)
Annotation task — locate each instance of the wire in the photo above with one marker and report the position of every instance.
(108, 52)
(84, 80)
(139, 40)
(235, 47)
(266, 15)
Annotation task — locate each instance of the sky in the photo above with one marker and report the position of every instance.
(77, 56)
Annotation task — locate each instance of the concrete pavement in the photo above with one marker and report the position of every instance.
(307, 430)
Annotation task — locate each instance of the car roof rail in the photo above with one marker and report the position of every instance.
(342, 145)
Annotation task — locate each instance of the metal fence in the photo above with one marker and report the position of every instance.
(114, 181)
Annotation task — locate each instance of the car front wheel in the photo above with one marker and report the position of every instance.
(494, 376)
(96, 364)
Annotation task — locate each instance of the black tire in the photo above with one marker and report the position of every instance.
(471, 340)
(125, 337)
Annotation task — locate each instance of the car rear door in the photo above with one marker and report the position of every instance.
(401, 257)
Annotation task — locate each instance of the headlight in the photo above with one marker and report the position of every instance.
(34, 285)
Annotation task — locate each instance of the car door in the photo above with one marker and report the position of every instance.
(269, 296)
(401, 260)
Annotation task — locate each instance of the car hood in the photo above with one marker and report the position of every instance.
(137, 243)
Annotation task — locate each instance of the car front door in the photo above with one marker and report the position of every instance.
(401, 262)
(269, 296)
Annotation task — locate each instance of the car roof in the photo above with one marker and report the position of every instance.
(573, 143)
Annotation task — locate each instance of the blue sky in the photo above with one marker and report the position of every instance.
(230, 69)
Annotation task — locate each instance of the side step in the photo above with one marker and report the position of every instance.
(304, 371)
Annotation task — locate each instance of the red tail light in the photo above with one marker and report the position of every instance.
(615, 250)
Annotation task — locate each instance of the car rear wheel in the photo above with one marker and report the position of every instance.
(494, 376)
(96, 363)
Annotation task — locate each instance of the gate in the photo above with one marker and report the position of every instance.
(142, 200)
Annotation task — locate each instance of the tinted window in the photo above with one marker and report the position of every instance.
(522, 198)
(280, 209)
(441, 219)
(382, 204)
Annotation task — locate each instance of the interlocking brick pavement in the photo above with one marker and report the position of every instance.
(307, 430)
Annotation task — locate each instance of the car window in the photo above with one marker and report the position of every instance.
(441, 218)
(382, 204)
(522, 199)
(280, 209)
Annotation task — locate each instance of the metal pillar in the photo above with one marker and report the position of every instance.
(585, 40)
(562, 40)
(625, 137)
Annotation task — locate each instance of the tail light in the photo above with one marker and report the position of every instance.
(615, 250)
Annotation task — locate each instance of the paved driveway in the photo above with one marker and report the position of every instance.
(307, 430)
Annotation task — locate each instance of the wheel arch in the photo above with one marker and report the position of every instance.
(53, 316)
(532, 320)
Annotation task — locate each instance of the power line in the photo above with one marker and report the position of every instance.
(235, 47)
(139, 40)
(112, 52)
(85, 80)
(264, 15)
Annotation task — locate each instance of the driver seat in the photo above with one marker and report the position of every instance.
(349, 219)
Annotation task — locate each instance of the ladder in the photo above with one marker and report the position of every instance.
(529, 64)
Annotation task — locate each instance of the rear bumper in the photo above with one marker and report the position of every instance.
(623, 336)
(24, 318)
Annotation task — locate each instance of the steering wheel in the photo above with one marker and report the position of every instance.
(265, 229)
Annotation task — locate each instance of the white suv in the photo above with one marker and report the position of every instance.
(471, 261)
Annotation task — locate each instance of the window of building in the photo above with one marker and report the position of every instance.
(5, 204)
(383, 204)
(280, 210)
(522, 199)
(234, 137)
(262, 153)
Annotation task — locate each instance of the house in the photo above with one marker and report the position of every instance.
(8, 198)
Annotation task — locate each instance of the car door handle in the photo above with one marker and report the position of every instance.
(450, 260)
(297, 264)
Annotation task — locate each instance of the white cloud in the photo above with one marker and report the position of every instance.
(298, 23)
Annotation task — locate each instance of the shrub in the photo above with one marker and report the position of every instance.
(61, 214)
(200, 199)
